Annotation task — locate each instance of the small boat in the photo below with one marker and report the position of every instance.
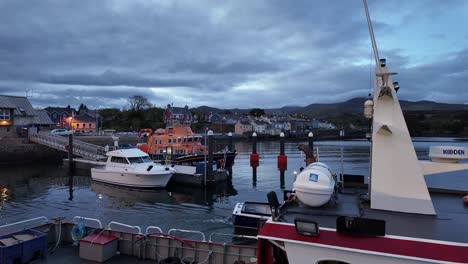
(132, 168)
(186, 146)
(249, 216)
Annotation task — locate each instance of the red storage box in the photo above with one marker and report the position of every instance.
(97, 247)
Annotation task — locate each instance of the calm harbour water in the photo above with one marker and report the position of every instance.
(34, 190)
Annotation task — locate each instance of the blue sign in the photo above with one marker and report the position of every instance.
(453, 152)
(313, 177)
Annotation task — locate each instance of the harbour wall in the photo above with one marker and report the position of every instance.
(21, 150)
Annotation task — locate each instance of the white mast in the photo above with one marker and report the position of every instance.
(397, 178)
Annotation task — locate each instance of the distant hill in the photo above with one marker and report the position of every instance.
(352, 106)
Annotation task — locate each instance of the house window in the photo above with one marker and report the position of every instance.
(4, 114)
(89, 125)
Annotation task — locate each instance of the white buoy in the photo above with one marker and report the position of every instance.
(368, 109)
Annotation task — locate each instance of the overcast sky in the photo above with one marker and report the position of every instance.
(228, 53)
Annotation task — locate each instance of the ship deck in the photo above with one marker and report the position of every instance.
(449, 224)
(70, 254)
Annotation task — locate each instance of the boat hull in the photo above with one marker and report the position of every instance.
(192, 159)
(135, 180)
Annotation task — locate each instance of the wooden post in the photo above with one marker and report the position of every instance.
(71, 163)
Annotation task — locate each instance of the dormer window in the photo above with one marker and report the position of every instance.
(21, 109)
(4, 114)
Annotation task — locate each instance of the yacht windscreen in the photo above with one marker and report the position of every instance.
(136, 160)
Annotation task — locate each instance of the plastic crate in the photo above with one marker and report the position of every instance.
(25, 250)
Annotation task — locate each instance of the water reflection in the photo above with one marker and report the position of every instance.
(129, 196)
(48, 189)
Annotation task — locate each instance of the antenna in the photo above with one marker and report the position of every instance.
(371, 32)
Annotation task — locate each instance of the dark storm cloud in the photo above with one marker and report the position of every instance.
(223, 54)
(111, 78)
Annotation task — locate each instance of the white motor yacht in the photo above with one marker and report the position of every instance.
(132, 168)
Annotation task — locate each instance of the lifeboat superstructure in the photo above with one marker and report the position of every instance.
(181, 138)
(186, 146)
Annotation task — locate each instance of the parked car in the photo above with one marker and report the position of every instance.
(61, 132)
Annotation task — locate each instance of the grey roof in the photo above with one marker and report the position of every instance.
(17, 102)
(5, 102)
(261, 123)
(180, 110)
(60, 110)
(42, 118)
(85, 118)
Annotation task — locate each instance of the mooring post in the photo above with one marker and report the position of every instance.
(282, 160)
(254, 142)
(341, 154)
(282, 143)
(230, 146)
(310, 137)
(254, 159)
(210, 155)
(71, 163)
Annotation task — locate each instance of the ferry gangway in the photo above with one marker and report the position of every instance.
(80, 148)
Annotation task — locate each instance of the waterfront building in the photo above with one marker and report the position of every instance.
(177, 115)
(242, 127)
(260, 126)
(217, 118)
(17, 115)
(61, 115)
(83, 123)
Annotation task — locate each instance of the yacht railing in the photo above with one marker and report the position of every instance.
(78, 219)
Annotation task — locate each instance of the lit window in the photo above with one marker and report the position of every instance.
(4, 114)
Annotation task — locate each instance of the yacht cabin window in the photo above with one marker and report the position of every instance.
(136, 160)
(119, 160)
